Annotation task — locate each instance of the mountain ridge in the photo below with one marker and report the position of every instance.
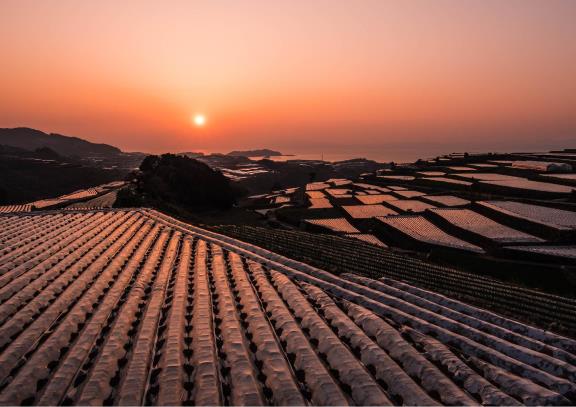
(31, 139)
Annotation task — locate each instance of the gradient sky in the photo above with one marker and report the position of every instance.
(301, 75)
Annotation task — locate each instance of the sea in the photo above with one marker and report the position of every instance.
(405, 154)
(379, 156)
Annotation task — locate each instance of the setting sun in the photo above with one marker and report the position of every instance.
(199, 120)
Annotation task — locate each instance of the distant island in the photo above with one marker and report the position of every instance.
(264, 152)
(192, 154)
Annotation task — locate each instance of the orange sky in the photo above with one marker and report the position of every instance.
(295, 75)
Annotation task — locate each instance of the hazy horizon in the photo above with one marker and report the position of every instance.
(301, 77)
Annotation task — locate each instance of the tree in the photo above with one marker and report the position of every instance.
(128, 198)
(184, 181)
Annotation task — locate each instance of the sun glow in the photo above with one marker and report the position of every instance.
(199, 120)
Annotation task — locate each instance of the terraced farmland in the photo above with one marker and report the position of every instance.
(317, 186)
(103, 201)
(134, 307)
(371, 187)
(461, 169)
(468, 222)
(446, 200)
(421, 230)
(368, 238)
(483, 165)
(367, 211)
(82, 194)
(320, 203)
(375, 198)
(337, 225)
(481, 176)
(432, 173)
(315, 194)
(15, 208)
(48, 203)
(409, 205)
(341, 255)
(444, 180)
(531, 186)
(97, 197)
(396, 188)
(409, 194)
(549, 253)
(550, 217)
(338, 191)
(565, 177)
(396, 178)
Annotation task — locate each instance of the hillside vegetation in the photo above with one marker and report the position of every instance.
(31, 139)
(26, 176)
(178, 182)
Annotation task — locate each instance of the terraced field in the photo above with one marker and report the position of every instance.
(82, 194)
(338, 191)
(320, 203)
(48, 203)
(468, 222)
(315, 194)
(446, 200)
(317, 186)
(103, 201)
(15, 208)
(419, 229)
(483, 165)
(567, 254)
(531, 186)
(375, 198)
(97, 197)
(367, 211)
(551, 217)
(337, 225)
(396, 178)
(462, 169)
(341, 255)
(481, 176)
(432, 173)
(565, 177)
(134, 307)
(371, 187)
(396, 188)
(368, 238)
(444, 180)
(409, 194)
(409, 205)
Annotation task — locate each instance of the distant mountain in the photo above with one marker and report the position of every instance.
(264, 152)
(31, 139)
(27, 175)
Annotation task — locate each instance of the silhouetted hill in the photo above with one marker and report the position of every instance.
(174, 181)
(31, 139)
(27, 176)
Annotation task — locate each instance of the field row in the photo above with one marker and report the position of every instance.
(133, 307)
(341, 255)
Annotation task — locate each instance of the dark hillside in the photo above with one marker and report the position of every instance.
(27, 176)
(31, 139)
(179, 182)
